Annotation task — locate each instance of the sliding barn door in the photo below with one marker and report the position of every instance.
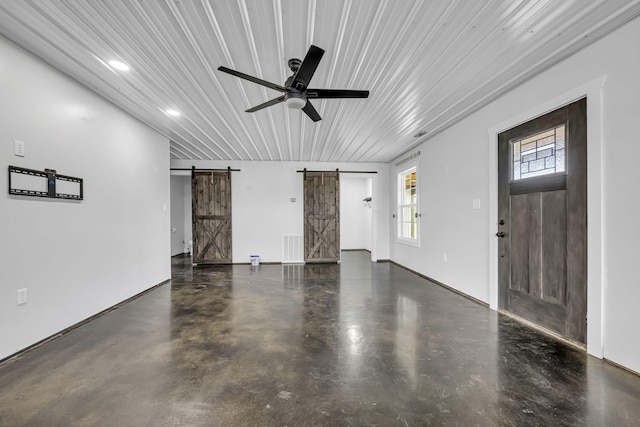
(211, 214)
(321, 217)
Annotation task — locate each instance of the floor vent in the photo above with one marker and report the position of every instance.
(292, 251)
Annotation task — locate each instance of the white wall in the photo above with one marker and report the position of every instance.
(179, 240)
(355, 215)
(455, 170)
(76, 258)
(451, 175)
(262, 210)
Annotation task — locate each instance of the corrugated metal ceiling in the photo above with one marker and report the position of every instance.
(427, 64)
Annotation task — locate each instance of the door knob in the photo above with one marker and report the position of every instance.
(501, 234)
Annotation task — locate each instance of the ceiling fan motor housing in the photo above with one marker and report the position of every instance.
(294, 64)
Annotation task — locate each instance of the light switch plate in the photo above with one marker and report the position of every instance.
(18, 148)
(476, 203)
(23, 296)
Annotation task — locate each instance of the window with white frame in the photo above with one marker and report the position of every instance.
(408, 205)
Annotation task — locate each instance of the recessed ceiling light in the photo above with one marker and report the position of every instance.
(173, 113)
(118, 65)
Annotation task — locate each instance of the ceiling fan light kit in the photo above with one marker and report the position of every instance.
(296, 92)
(295, 101)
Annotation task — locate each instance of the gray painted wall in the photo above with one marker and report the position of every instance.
(75, 258)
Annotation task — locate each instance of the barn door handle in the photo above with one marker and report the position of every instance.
(501, 234)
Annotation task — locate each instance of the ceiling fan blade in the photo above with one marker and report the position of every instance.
(308, 67)
(337, 93)
(252, 79)
(265, 104)
(311, 112)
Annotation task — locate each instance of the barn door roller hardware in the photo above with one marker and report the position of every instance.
(193, 170)
(337, 170)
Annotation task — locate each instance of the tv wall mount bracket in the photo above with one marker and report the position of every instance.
(28, 182)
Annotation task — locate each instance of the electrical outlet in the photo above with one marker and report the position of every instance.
(23, 296)
(444, 257)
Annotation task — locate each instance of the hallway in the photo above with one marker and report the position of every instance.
(292, 345)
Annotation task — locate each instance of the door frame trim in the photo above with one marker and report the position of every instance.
(593, 90)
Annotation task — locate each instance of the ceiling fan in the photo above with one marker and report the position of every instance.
(296, 90)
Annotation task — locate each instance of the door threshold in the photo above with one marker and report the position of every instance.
(552, 334)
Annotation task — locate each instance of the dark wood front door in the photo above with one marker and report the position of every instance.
(211, 215)
(321, 217)
(542, 223)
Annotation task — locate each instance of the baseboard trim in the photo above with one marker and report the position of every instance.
(278, 262)
(182, 255)
(261, 263)
(617, 365)
(524, 322)
(544, 331)
(17, 355)
(437, 282)
(554, 335)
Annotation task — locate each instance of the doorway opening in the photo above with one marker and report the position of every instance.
(356, 213)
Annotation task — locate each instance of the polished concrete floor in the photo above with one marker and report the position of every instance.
(356, 344)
